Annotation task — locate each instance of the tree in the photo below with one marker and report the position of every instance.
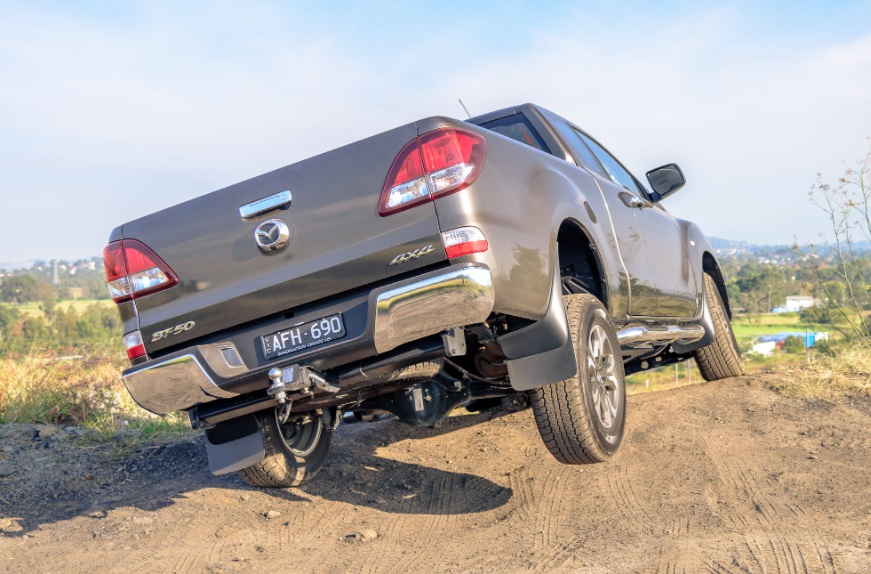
(847, 207)
(8, 316)
(25, 288)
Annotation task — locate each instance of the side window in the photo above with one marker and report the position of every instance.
(586, 155)
(577, 148)
(617, 172)
(517, 128)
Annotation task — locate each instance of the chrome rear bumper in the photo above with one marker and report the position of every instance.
(171, 385)
(398, 313)
(432, 304)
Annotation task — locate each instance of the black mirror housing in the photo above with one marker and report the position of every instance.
(665, 180)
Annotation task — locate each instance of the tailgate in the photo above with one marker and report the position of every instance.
(338, 242)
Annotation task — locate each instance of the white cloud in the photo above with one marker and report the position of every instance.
(750, 126)
(107, 120)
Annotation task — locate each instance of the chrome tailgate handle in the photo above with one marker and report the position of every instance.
(265, 204)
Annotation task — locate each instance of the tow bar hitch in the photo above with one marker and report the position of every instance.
(296, 378)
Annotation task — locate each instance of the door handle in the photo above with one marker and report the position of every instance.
(631, 200)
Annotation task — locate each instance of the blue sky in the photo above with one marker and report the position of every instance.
(108, 112)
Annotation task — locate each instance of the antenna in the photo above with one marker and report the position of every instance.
(465, 109)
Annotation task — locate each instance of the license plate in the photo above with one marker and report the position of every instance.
(303, 336)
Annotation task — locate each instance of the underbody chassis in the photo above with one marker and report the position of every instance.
(443, 348)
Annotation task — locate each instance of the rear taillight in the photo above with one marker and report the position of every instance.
(135, 346)
(133, 270)
(464, 241)
(437, 163)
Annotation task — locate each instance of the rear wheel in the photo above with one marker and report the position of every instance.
(295, 450)
(581, 419)
(719, 359)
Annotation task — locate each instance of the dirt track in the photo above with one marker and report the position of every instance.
(721, 478)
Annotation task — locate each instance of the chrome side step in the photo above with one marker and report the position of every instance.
(643, 336)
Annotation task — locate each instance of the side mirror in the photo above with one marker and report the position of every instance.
(665, 180)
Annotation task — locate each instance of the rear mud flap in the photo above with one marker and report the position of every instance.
(542, 353)
(234, 445)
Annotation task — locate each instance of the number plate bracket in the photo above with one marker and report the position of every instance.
(303, 336)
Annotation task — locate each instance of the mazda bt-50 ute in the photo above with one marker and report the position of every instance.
(444, 263)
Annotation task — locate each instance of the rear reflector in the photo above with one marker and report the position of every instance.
(463, 241)
(437, 163)
(133, 270)
(134, 345)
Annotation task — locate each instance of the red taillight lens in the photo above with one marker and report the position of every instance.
(133, 270)
(437, 163)
(464, 241)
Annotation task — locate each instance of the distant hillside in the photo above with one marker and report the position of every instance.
(13, 265)
(720, 243)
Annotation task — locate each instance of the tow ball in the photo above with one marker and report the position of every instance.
(296, 378)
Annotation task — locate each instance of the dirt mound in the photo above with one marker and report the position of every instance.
(723, 477)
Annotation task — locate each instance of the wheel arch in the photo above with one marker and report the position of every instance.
(712, 268)
(578, 252)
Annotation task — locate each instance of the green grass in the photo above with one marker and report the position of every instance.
(749, 326)
(86, 392)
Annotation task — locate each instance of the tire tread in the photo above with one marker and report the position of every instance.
(720, 358)
(560, 411)
(281, 469)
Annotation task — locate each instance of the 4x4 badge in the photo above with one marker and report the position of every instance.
(413, 254)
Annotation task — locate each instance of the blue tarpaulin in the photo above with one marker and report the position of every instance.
(809, 338)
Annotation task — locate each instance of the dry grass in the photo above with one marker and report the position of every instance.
(828, 373)
(86, 392)
(844, 371)
(35, 309)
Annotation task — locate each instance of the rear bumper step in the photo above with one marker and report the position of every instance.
(398, 313)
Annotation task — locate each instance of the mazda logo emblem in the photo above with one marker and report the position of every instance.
(272, 235)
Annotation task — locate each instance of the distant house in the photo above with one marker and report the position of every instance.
(795, 303)
(767, 344)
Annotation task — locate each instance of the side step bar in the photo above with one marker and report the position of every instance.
(642, 336)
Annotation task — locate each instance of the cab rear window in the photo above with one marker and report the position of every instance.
(517, 128)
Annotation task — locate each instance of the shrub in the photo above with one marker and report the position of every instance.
(95, 330)
(85, 392)
(793, 345)
(825, 348)
(820, 314)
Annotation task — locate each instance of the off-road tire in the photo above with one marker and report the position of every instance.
(282, 468)
(564, 411)
(719, 359)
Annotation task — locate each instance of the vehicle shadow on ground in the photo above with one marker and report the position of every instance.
(358, 476)
(159, 476)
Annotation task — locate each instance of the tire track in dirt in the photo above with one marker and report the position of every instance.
(552, 507)
(186, 563)
(777, 538)
(686, 496)
(444, 496)
(669, 562)
(566, 492)
(613, 486)
(625, 498)
(290, 534)
(440, 494)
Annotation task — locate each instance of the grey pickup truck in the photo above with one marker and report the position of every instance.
(508, 260)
